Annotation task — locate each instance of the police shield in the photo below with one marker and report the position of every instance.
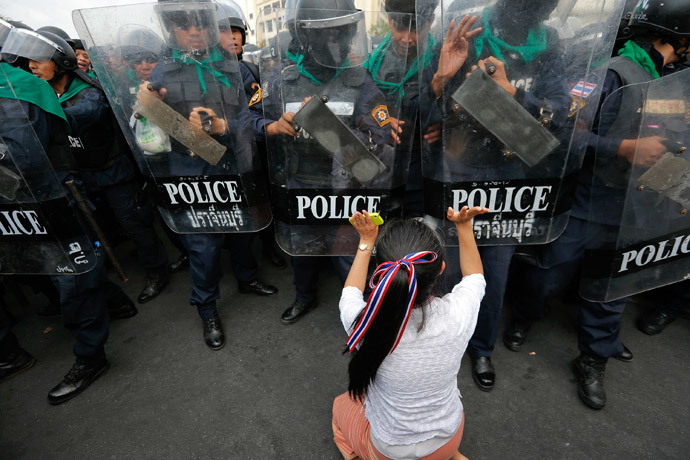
(179, 97)
(40, 232)
(639, 226)
(329, 105)
(506, 110)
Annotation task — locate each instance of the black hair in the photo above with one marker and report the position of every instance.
(398, 239)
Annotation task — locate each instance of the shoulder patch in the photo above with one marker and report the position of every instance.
(256, 98)
(582, 89)
(381, 115)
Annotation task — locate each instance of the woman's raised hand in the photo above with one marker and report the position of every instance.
(368, 232)
(465, 215)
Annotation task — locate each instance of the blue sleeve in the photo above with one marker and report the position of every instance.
(606, 115)
(365, 120)
(87, 112)
(254, 94)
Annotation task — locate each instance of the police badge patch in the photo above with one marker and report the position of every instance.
(580, 92)
(381, 115)
(256, 98)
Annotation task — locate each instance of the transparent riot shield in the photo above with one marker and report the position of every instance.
(179, 97)
(337, 155)
(639, 227)
(508, 108)
(40, 231)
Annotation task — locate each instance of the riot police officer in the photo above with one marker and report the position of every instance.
(197, 81)
(524, 58)
(659, 36)
(395, 65)
(327, 45)
(232, 26)
(33, 120)
(99, 149)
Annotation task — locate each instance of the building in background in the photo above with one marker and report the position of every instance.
(266, 18)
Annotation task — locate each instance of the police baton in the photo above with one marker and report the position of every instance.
(96, 228)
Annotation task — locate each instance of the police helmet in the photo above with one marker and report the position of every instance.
(663, 17)
(624, 32)
(41, 46)
(136, 43)
(230, 15)
(6, 25)
(410, 12)
(184, 14)
(331, 32)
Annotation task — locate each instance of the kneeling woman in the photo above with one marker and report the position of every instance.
(406, 344)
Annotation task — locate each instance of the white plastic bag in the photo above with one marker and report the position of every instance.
(150, 137)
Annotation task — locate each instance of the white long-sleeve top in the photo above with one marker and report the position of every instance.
(415, 396)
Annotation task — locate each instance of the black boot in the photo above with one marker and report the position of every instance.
(483, 372)
(155, 282)
(652, 323)
(77, 380)
(589, 371)
(257, 287)
(515, 335)
(15, 363)
(297, 310)
(180, 264)
(213, 333)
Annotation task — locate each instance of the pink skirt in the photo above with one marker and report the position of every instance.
(351, 433)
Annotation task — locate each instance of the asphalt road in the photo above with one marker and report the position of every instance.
(268, 393)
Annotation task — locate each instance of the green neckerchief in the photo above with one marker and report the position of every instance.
(298, 60)
(375, 59)
(535, 44)
(132, 76)
(214, 56)
(77, 85)
(25, 87)
(639, 56)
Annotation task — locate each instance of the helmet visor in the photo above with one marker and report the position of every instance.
(5, 28)
(337, 41)
(31, 45)
(188, 26)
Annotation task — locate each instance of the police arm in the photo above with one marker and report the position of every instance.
(368, 232)
(644, 152)
(207, 120)
(89, 111)
(470, 261)
(285, 125)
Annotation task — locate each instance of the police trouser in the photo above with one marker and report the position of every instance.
(306, 273)
(204, 250)
(83, 301)
(496, 261)
(558, 265)
(135, 215)
(242, 260)
(8, 341)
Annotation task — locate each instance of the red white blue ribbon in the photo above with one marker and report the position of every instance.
(380, 282)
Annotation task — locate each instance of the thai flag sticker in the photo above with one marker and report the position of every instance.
(582, 89)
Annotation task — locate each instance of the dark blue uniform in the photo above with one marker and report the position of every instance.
(558, 263)
(182, 83)
(83, 298)
(479, 156)
(105, 169)
(310, 167)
